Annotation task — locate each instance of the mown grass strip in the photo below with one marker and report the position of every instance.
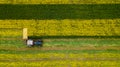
(64, 43)
(62, 63)
(81, 42)
(59, 1)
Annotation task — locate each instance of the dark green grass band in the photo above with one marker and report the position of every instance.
(59, 11)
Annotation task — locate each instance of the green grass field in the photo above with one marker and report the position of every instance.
(51, 57)
(85, 52)
(82, 42)
(69, 42)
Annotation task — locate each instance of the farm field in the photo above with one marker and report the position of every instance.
(59, 56)
(59, 52)
(75, 33)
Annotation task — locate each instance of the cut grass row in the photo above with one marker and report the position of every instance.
(12, 43)
(64, 42)
(60, 58)
(81, 42)
(59, 1)
(62, 63)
